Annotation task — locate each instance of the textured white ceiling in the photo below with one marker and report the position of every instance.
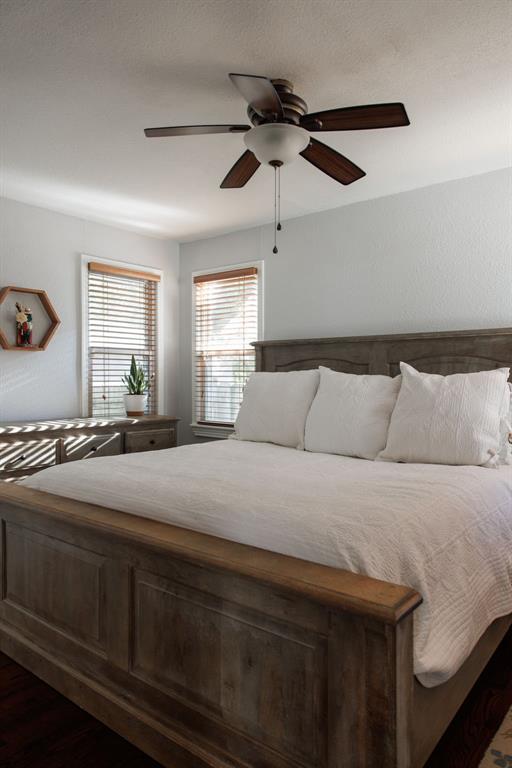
(80, 79)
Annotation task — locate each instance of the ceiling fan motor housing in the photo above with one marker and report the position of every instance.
(294, 107)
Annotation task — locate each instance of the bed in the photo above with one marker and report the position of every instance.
(269, 650)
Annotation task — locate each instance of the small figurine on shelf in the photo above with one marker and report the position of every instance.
(23, 326)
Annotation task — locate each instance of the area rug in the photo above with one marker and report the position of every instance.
(499, 754)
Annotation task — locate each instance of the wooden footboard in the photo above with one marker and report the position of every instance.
(204, 652)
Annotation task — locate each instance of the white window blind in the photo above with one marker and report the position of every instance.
(122, 320)
(226, 322)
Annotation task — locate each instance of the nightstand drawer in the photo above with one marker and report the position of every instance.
(150, 440)
(90, 446)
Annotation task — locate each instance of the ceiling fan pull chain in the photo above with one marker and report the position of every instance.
(274, 249)
(279, 199)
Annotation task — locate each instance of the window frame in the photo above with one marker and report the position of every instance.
(217, 430)
(84, 329)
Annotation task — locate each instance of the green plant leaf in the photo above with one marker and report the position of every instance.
(135, 381)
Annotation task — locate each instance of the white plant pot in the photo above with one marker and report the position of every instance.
(134, 404)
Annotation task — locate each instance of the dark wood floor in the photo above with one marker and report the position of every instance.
(41, 729)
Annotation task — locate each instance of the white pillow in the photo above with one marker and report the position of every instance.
(275, 407)
(447, 419)
(505, 451)
(350, 414)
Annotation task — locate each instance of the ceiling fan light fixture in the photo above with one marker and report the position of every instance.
(277, 142)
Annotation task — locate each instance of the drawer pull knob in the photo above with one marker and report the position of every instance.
(12, 462)
(151, 442)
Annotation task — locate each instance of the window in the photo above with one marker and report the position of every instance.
(122, 314)
(226, 322)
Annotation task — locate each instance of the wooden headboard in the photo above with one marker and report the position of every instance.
(443, 352)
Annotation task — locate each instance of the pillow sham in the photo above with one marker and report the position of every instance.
(350, 414)
(452, 419)
(275, 407)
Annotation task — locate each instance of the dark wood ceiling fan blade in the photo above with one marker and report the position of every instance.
(259, 93)
(244, 168)
(329, 161)
(357, 118)
(194, 130)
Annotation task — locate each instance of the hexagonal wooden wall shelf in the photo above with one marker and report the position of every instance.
(48, 308)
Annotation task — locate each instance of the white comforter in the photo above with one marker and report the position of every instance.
(446, 531)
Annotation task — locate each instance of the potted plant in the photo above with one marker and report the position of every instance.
(137, 385)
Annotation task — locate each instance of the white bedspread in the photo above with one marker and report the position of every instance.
(446, 531)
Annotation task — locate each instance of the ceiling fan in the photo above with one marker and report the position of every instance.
(281, 128)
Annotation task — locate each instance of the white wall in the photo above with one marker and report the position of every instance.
(432, 259)
(437, 258)
(41, 249)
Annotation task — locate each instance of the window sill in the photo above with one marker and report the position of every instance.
(212, 431)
